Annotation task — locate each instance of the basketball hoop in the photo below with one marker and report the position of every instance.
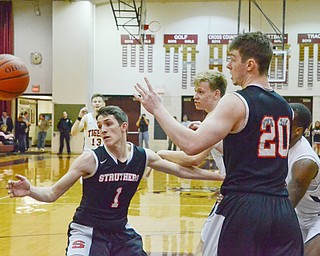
(153, 26)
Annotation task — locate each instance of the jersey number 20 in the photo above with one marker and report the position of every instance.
(272, 131)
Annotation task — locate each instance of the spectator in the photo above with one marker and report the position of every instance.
(20, 131)
(7, 138)
(43, 125)
(185, 120)
(64, 127)
(143, 124)
(316, 137)
(26, 119)
(7, 120)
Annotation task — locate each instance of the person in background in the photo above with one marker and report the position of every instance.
(143, 124)
(7, 138)
(43, 125)
(87, 123)
(172, 146)
(304, 180)
(185, 120)
(64, 126)
(26, 119)
(111, 175)
(316, 137)
(20, 129)
(7, 120)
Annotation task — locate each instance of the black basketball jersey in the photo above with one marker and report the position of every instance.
(107, 194)
(256, 157)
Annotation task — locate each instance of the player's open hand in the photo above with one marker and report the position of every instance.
(18, 188)
(150, 99)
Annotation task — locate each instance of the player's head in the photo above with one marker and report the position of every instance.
(209, 88)
(112, 122)
(253, 45)
(301, 121)
(97, 101)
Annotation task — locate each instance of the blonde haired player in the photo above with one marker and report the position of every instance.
(209, 87)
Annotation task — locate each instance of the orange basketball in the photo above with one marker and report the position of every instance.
(14, 77)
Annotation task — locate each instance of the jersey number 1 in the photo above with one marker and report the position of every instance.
(115, 203)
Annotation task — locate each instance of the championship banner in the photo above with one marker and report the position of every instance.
(307, 44)
(145, 47)
(172, 44)
(217, 49)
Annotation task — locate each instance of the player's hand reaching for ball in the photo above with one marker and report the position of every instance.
(18, 188)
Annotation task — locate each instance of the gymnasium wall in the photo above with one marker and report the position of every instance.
(200, 18)
(83, 54)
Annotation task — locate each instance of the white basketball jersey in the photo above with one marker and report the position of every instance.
(92, 137)
(310, 203)
(218, 158)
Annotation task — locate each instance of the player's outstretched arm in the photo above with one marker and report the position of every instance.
(303, 171)
(179, 157)
(84, 165)
(162, 165)
(78, 125)
(229, 116)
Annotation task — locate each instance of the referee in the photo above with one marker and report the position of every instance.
(64, 127)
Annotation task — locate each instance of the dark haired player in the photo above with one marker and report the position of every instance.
(255, 217)
(111, 175)
(304, 180)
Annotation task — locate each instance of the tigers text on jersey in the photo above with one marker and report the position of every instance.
(107, 194)
(310, 202)
(92, 137)
(256, 157)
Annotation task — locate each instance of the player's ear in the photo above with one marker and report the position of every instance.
(124, 126)
(299, 131)
(251, 64)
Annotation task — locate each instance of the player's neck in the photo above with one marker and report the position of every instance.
(120, 151)
(260, 80)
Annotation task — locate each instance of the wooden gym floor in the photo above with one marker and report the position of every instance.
(167, 211)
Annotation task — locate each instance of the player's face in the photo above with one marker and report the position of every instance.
(238, 70)
(204, 97)
(97, 103)
(110, 130)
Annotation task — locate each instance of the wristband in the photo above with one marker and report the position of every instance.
(79, 118)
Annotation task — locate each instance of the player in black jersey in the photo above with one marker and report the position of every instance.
(111, 175)
(255, 217)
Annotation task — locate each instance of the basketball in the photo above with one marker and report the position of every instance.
(14, 77)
